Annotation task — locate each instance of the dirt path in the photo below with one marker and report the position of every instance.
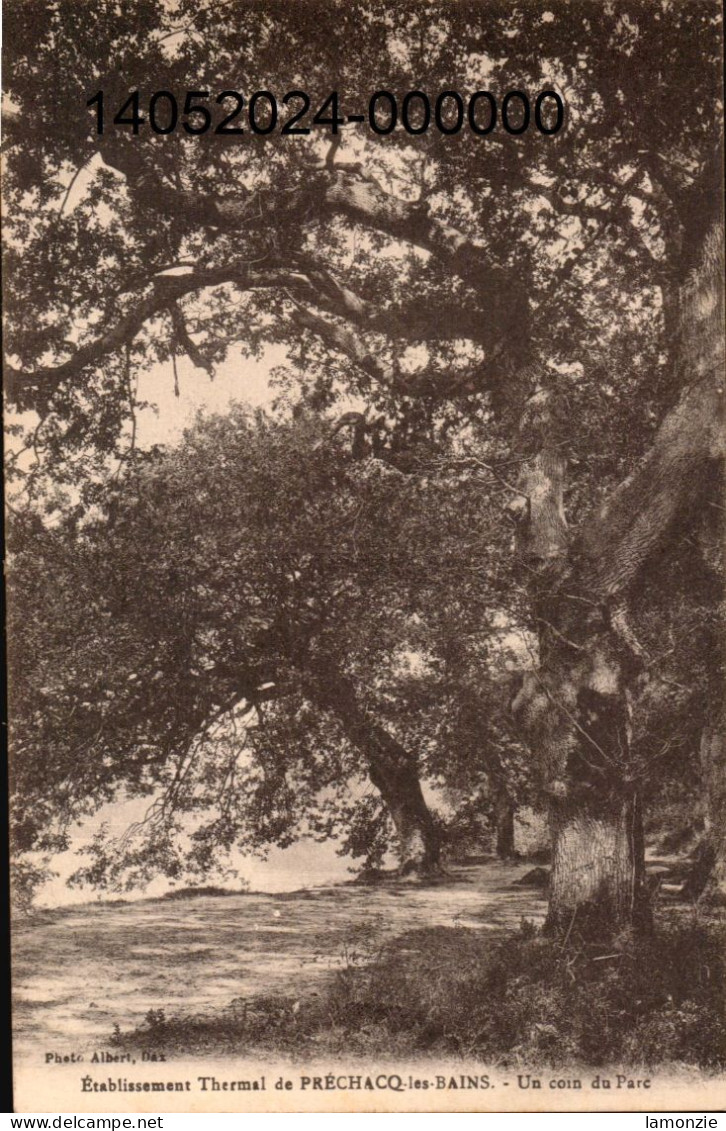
(80, 970)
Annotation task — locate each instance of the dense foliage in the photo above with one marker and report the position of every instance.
(437, 284)
(167, 642)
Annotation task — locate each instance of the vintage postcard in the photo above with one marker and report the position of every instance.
(364, 376)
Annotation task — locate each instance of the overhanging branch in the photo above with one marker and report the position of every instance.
(349, 192)
(424, 383)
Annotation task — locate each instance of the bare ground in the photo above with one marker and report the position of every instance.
(80, 970)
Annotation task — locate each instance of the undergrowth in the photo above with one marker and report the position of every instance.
(520, 1000)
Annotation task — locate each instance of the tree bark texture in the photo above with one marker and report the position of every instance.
(575, 713)
(598, 875)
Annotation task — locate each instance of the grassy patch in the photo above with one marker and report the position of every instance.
(519, 1000)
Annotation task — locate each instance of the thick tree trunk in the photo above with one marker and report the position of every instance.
(574, 710)
(394, 775)
(597, 883)
(391, 768)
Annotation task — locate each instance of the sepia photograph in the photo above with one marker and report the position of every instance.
(364, 379)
